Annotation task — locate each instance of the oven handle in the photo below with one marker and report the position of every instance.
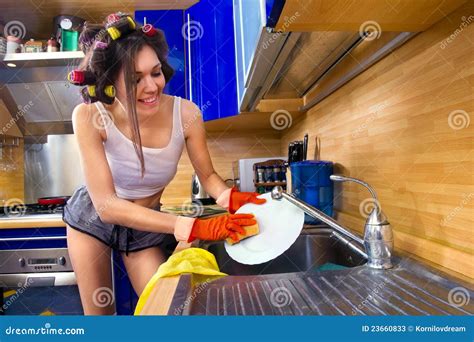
(38, 279)
(34, 238)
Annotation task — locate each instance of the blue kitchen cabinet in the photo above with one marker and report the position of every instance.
(125, 297)
(171, 23)
(251, 18)
(211, 68)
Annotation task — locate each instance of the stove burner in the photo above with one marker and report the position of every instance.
(18, 210)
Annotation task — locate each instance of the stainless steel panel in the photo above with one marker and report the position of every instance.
(52, 169)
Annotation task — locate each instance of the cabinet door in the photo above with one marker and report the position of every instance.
(209, 36)
(171, 22)
(249, 20)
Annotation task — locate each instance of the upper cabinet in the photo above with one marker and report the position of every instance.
(208, 32)
(171, 23)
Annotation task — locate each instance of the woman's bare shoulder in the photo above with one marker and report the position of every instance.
(86, 116)
(189, 110)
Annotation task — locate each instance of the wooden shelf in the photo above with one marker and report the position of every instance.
(42, 59)
(270, 184)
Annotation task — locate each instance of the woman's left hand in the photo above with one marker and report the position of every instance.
(238, 199)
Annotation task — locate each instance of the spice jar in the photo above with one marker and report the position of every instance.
(52, 45)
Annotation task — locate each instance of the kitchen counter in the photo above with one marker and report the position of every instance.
(55, 220)
(34, 221)
(410, 288)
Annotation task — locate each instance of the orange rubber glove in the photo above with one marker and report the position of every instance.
(221, 227)
(238, 199)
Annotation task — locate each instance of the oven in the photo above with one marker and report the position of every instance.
(36, 275)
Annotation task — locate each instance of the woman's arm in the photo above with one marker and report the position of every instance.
(99, 182)
(198, 152)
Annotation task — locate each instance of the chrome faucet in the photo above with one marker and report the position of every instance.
(378, 236)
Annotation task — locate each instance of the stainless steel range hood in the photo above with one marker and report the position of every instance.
(37, 94)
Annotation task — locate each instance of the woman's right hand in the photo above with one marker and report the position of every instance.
(221, 227)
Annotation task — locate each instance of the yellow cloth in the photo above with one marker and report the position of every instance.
(190, 260)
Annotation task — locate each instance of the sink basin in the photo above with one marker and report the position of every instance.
(311, 250)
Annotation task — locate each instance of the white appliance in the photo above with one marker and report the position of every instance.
(244, 174)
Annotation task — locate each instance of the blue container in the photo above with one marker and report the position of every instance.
(310, 182)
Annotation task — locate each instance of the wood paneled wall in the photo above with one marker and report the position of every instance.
(404, 127)
(224, 147)
(12, 183)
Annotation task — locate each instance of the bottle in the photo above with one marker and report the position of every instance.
(52, 45)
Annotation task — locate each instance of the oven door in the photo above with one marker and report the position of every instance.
(36, 275)
(54, 293)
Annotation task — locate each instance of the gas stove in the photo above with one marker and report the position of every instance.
(31, 211)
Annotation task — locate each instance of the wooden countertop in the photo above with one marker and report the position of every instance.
(161, 296)
(20, 222)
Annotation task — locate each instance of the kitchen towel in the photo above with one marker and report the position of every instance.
(190, 260)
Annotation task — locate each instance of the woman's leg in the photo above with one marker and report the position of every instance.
(91, 263)
(142, 265)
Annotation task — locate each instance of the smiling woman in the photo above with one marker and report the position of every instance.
(130, 137)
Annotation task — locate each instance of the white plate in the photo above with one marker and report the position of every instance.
(280, 224)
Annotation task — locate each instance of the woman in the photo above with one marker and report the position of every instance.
(130, 137)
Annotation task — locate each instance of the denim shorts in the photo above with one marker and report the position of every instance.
(79, 213)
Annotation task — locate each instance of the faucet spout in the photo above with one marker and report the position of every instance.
(378, 237)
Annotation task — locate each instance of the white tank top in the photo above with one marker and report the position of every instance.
(160, 163)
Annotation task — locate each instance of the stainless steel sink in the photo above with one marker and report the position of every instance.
(312, 249)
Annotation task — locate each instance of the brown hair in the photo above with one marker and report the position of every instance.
(119, 54)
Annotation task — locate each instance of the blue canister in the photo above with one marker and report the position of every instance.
(310, 182)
